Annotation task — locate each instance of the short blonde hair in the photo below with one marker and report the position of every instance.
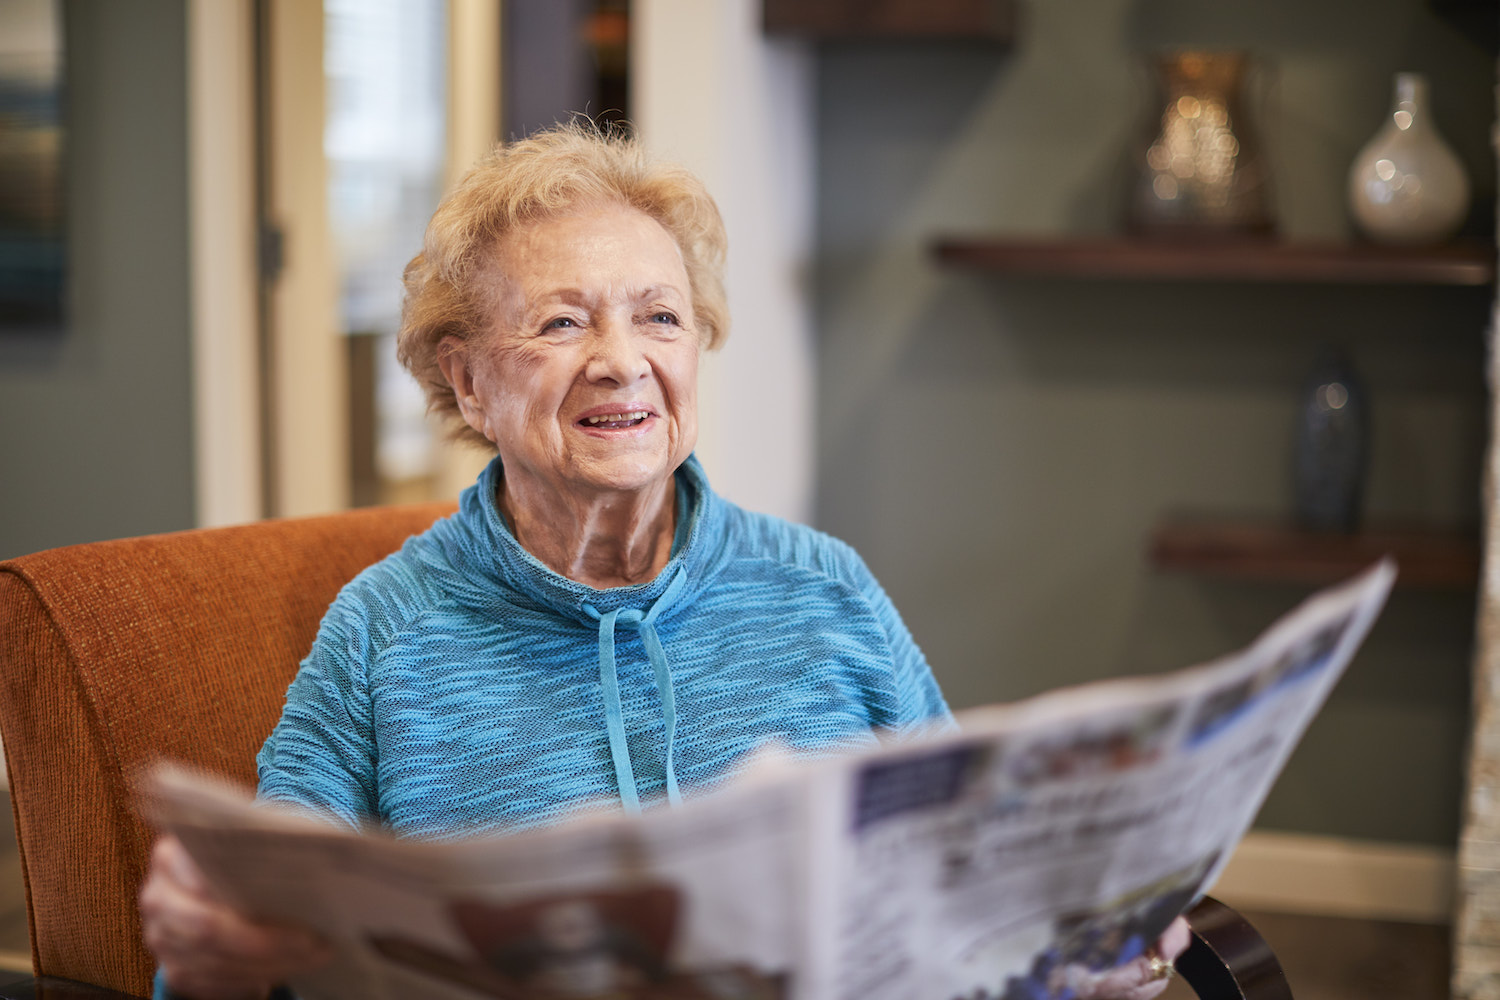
(452, 285)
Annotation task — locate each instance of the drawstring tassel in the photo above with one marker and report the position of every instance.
(614, 719)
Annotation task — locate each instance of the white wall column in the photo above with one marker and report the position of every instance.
(710, 91)
(221, 170)
(309, 368)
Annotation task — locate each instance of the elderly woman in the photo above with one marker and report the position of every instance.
(594, 623)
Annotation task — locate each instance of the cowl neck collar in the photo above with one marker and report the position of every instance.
(481, 548)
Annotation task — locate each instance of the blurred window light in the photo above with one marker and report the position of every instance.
(386, 65)
(33, 250)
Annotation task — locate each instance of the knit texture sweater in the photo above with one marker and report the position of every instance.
(460, 686)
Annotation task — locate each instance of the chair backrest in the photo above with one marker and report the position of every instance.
(115, 654)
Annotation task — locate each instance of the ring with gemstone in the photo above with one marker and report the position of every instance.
(1159, 968)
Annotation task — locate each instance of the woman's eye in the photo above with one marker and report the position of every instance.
(561, 323)
(663, 317)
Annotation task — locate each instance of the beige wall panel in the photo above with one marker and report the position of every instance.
(221, 149)
(310, 454)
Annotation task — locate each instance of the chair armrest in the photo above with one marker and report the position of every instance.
(52, 988)
(1228, 959)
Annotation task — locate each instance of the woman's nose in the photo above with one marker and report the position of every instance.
(616, 354)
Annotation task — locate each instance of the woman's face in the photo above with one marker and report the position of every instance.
(587, 382)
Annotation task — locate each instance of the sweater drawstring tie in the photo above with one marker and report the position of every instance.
(645, 623)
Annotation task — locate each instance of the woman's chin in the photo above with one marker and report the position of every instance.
(624, 473)
(631, 462)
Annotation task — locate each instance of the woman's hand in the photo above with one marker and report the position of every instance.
(205, 949)
(1139, 979)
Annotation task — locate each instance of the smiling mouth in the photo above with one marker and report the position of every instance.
(616, 421)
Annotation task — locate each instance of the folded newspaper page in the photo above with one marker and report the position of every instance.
(1044, 842)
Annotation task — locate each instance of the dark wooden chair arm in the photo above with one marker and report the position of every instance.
(1228, 959)
(52, 988)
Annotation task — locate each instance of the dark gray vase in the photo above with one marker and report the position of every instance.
(1332, 446)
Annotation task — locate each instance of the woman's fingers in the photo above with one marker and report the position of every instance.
(204, 947)
(1137, 979)
(171, 859)
(1174, 940)
(207, 950)
(1145, 977)
(180, 924)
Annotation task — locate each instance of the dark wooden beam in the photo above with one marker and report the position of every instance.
(1270, 550)
(1248, 260)
(976, 20)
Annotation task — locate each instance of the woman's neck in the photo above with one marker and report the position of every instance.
(604, 540)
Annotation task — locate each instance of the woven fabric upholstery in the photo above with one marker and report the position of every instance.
(115, 654)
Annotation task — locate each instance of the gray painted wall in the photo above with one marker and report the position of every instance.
(998, 449)
(96, 423)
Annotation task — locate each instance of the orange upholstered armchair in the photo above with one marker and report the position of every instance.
(116, 653)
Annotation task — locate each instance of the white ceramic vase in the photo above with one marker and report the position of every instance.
(1407, 186)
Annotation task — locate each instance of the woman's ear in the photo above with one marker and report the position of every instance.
(453, 359)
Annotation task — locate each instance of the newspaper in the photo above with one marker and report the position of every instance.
(1045, 841)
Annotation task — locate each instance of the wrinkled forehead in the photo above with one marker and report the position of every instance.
(590, 250)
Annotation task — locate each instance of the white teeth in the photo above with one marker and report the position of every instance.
(615, 418)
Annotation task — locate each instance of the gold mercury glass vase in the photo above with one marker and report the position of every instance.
(1199, 170)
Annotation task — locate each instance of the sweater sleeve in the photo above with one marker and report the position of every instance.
(921, 707)
(321, 754)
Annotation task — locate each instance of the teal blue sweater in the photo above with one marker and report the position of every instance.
(461, 686)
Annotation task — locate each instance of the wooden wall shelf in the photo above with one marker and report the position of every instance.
(1239, 260)
(1271, 551)
(892, 20)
